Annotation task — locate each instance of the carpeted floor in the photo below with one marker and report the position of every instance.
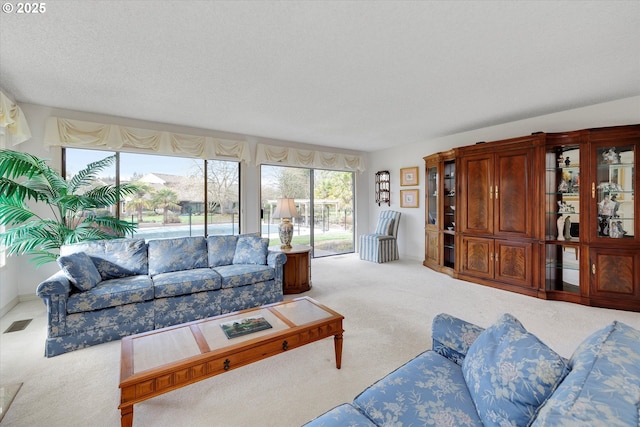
(388, 310)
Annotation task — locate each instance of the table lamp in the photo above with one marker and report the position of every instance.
(285, 209)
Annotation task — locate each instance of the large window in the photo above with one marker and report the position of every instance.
(324, 203)
(178, 196)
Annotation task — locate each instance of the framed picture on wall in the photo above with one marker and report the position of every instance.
(409, 176)
(409, 198)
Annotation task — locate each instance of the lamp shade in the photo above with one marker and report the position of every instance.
(285, 208)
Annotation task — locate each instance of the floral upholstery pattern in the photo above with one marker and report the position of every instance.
(240, 298)
(452, 337)
(221, 250)
(112, 293)
(251, 250)
(240, 275)
(142, 288)
(80, 330)
(182, 253)
(114, 258)
(186, 282)
(510, 373)
(185, 308)
(344, 415)
(603, 387)
(428, 390)
(80, 270)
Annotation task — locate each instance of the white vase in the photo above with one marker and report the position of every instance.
(560, 227)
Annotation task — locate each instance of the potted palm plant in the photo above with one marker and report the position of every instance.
(77, 206)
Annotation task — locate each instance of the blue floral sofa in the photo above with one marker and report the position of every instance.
(108, 289)
(504, 376)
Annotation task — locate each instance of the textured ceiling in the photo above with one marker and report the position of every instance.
(361, 75)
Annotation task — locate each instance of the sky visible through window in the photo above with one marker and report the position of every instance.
(140, 164)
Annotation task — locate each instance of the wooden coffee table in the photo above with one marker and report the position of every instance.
(159, 361)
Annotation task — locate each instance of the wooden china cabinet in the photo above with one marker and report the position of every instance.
(440, 203)
(551, 215)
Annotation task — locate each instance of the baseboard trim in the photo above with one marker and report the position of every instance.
(17, 300)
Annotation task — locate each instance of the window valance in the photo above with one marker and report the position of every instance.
(13, 124)
(270, 154)
(81, 134)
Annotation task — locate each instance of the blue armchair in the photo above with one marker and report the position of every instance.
(382, 246)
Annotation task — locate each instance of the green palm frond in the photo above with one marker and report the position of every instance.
(14, 212)
(25, 177)
(11, 190)
(89, 175)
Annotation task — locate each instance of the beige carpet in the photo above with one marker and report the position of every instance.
(388, 310)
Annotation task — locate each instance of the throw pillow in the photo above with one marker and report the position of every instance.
(251, 250)
(385, 226)
(80, 270)
(511, 373)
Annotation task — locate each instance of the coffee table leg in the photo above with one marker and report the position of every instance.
(126, 416)
(337, 340)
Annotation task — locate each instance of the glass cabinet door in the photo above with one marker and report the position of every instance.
(449, 197)
(613, 192)
(562, 218)
(432, 195)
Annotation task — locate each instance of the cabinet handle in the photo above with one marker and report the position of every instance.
(593, 190)
(491, 257)
(593, 269)
(497, 260)
(491, 192)
(496, 192)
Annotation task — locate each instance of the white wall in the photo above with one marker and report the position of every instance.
(19, 278)
(411, 233)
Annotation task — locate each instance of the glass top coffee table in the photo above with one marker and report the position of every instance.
(159, 361)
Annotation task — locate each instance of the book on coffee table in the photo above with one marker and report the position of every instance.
(248, 325)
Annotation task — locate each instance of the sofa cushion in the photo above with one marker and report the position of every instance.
(112, 293)
(251, 250)
(244, 274)
(344, 415)
(221, 249)
(182, 253)
(186, 282)
(114, 258)
(80, 270)
(603, 385)
(384, 226)
(510, 373)
(428, 390)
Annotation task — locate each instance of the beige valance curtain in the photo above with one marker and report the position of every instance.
(81, 134)
(270, 154)
(13, 124)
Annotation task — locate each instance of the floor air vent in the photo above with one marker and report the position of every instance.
(18, 325)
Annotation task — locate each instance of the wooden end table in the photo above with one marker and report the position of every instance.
(156, 362)
(297, 269)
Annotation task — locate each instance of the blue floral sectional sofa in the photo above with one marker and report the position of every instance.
(504, 376)
(109, 289)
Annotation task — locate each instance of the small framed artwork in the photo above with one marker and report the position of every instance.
(409, 176)
(409, 198)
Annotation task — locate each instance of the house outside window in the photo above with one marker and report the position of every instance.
(178, 196)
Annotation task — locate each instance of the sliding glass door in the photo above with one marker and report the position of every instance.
(324, 205)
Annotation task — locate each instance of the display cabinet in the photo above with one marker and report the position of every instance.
(562, 214)
(440, 212)
(551, 215)
(383, 187)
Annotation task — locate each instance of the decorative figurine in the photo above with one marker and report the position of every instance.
(567, 162)
(567, 228)
(560, 228)
(610, 156)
